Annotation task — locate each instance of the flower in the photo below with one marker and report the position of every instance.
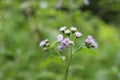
(62, 29)
(67, 31)
(66, 43)
(60, 47)
(43, 43)
(95, 45)
(71, 42)
(78, 34)
(66, 40)
(90, 42)
(60, 38)
(73, 29)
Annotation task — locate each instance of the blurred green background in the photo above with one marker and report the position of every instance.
(24, 23)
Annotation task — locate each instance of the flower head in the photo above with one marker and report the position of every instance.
(60, 47)
(43, 43)
(67, 31)
(60, 38)
(66, 43)
(73, 29)
(95, 45)
(62, 29)
(90, 42)
(78, 34)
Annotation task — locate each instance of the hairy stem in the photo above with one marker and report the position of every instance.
(68, 65)
(59, 55)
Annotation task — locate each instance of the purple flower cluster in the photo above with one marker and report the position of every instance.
(64, 43)
(90, 43)
(45, 44)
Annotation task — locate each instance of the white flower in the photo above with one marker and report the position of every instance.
(78, 34)
(63, 28)
(67, 31)
(71, 42)
(73, 29)
(60, 38)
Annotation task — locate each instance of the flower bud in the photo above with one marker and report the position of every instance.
(90, 43)
(62, 29)
(71, 43)
(67, 31)
(45, 49)
(43, 43)
(73, 29)
(60, 47)
(47, 44)
(78, 34)
(60, 38)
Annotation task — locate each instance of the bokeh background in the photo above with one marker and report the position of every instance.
(24, 23)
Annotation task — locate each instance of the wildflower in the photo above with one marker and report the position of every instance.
(78, 34)
(60, 38)
(95, 45)
(73, 29)
(67, 31)
(62, 29)
(71, 43)
(90, 42)
(60, 47)
(66, 40)
(66, 43)
(43, 43)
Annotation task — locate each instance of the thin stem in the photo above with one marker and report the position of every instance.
(57, 52)
(80, 47)
(59, 55)
(67, 68)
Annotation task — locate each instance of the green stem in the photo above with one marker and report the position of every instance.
(77, 50)
(57, 52)
(67, 68)
(59, 55)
